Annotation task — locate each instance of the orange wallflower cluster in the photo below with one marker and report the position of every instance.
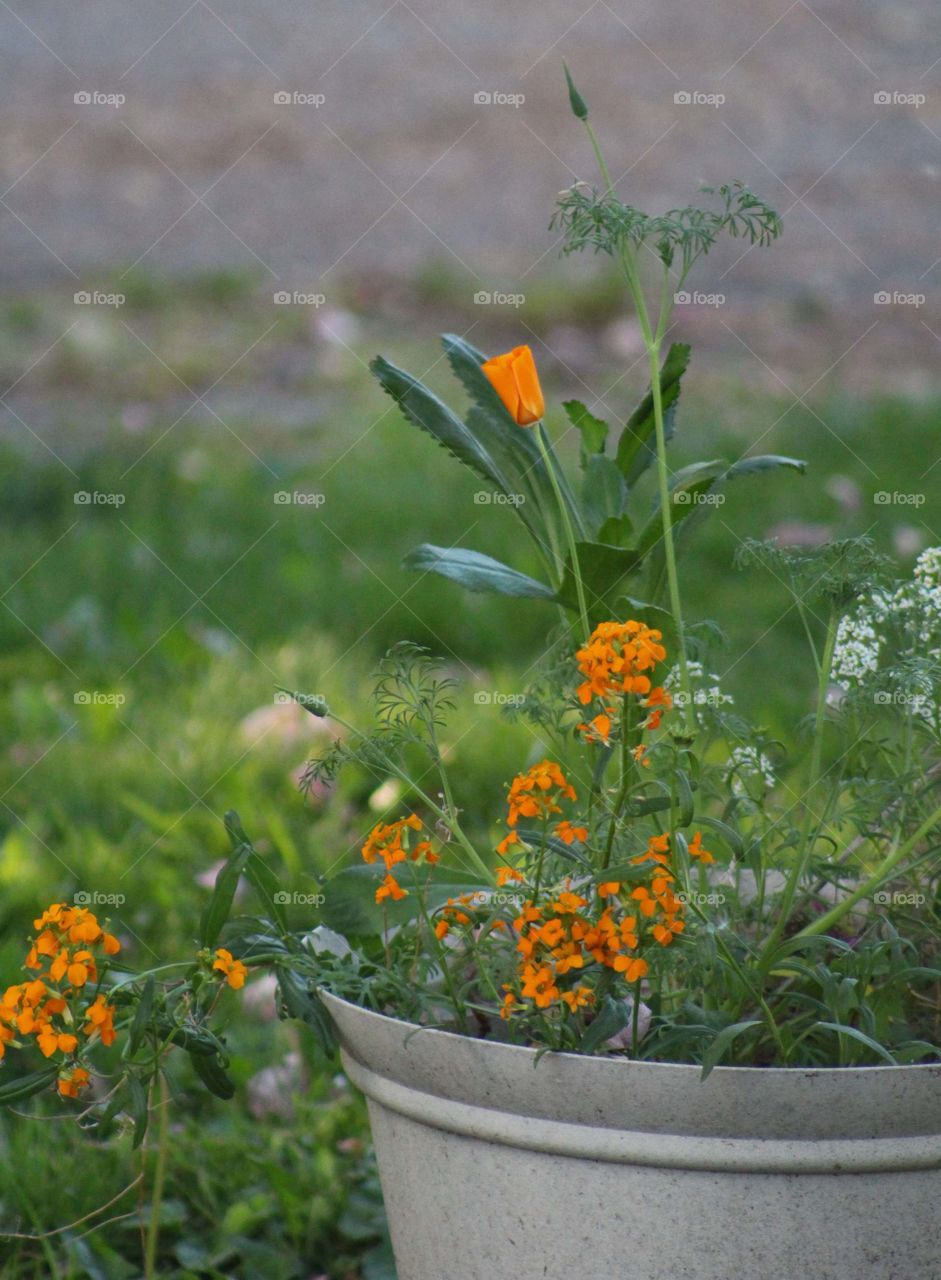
(616, 660)
(657, 901)
(64, 956)
(389, 841)
(536, 794)
(563, 937)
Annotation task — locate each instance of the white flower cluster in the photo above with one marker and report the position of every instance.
(748, 764)
(856, 653)
(706, 689)
(906, 621)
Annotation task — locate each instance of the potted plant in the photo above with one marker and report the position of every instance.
(680, 1019)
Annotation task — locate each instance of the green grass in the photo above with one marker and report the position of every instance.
(190, 602)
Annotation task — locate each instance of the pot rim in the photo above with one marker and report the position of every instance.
(634, 1063)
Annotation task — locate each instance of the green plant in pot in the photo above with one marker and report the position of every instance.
(679, 1016)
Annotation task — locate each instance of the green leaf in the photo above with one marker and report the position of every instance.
(213, 1075)
(602, 568)
(24, 1087)
(765, 462)
(142, 1016)
(861, 1036)
(604, 496)
(637, 444)
(593, 431)
(729, 835)
(257, 871)
(722, 1042)
(426, 411)
(351, 909)
(137, 1108)
(610, 1019)
(305, 1005)
(223, 895)
(475, 571)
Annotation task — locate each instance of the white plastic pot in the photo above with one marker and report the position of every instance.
(495, 1165)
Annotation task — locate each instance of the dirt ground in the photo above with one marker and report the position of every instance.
(157, 138)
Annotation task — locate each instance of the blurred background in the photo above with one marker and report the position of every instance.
(212, 215)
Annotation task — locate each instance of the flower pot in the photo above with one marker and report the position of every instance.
(495, 1164)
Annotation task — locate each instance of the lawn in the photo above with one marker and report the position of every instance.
(142, 643)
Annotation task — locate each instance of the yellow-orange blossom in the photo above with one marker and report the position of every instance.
(515, 380)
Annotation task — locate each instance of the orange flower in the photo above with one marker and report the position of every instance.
(507, 874)
(568, 832)
(514, 378)
(539, 985)
(609, 889)
(390, 888)
(100, 1015)
(659, 701)
(616, 659)
(578, 998)
(71, 1084)
(234, 971)
(598, 729)
(697, 851)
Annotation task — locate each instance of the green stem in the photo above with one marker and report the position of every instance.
(878, 878)
(160, 1173)
(567, 526)
(808, 834)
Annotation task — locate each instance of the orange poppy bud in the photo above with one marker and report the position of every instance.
(514, 378)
